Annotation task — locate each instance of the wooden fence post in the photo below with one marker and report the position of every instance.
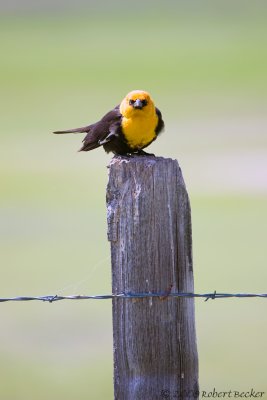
(149, 227)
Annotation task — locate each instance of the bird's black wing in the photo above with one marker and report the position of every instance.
(160, 125)
(102, 131)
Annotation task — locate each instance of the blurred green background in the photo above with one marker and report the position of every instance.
(63, 64)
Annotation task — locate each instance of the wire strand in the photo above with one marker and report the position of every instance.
(207, 296)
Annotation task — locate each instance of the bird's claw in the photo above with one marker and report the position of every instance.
(144, 153)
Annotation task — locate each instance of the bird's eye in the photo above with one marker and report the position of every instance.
(144, 102)
(131, 102)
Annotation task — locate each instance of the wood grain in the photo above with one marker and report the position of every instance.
(149, 227)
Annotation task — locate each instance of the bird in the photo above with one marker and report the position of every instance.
(127, 129)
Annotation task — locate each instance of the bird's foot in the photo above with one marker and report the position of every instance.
(143, 153)
(124, 155)
(134, 154)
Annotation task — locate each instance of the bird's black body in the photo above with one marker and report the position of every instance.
(108, 132)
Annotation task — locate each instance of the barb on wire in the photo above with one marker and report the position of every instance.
(52, 298)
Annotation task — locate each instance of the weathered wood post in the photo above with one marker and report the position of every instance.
(149, 227)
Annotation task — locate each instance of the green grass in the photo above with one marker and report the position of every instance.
(54, 64)
(62, 71)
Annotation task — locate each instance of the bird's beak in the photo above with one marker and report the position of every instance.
(138, 104)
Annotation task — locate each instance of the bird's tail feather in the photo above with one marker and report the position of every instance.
(76, 130)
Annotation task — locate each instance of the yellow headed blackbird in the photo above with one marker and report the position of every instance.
(128, 128)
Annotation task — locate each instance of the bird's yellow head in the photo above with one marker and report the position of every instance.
(137, 103)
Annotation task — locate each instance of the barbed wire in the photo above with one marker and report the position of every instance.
(163, 295)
